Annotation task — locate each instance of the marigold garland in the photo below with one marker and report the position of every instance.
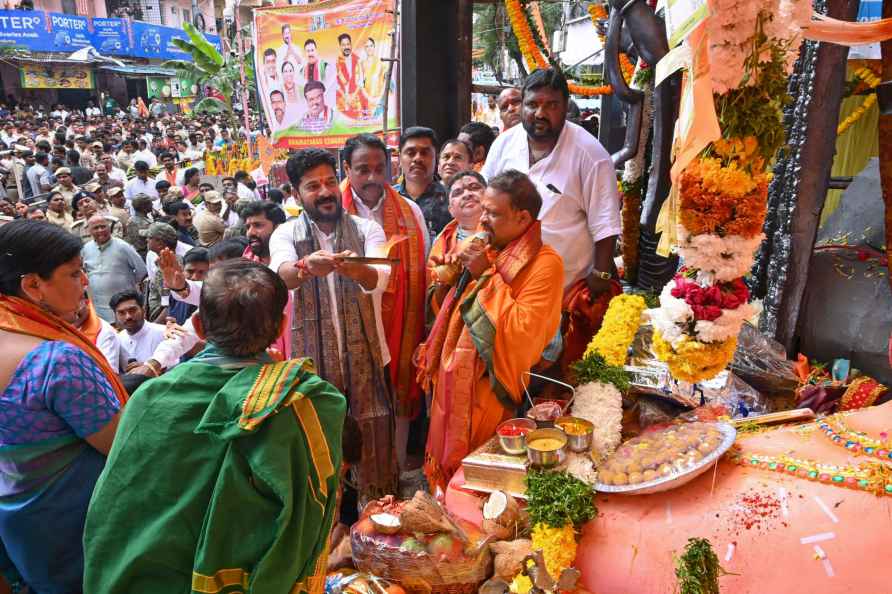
(870, 80)
(856, 115)
(621, 323)
(631, 215)
(724, 200)
(693, 361)
(531, 53)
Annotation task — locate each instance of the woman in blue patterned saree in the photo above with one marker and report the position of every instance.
(59, 403)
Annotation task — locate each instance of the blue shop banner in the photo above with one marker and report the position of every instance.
(41, 31)
(111, 36)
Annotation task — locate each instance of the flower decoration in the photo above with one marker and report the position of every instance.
(691, 360)
(532, 54)
(621, 323)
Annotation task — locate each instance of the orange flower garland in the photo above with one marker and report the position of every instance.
(708, 204)
(533, 56)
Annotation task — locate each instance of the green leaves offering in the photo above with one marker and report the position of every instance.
(558, 499)
(698, 570)
(593, 368)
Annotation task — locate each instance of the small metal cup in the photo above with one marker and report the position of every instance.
(515, 444)
(546, 458)
(577, 443)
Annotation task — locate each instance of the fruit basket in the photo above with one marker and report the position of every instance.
(450, 556)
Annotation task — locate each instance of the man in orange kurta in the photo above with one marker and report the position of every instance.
(366, 194)
(490, 332)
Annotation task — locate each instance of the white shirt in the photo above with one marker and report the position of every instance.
(142, 345)
(585, 209)
(152, 258)
(169, 350)
(118, 174)
(93, 112)
(246, 193)
(148, 156)
(377, 215)
(107, 341)
(282, 250)
(136, 186)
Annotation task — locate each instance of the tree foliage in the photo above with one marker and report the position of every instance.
(210, 68)
(493, 34)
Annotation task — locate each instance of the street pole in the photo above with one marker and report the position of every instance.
(241, 69)
(392, 61)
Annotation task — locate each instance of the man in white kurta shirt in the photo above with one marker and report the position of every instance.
(574, 175)
(138, 337)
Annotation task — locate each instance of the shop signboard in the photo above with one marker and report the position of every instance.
(41, 31)
(321, 70)
(164, 87)
(44, 76)
(111, 36)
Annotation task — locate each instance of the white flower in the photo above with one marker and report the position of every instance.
(726, 258)
(602, 405)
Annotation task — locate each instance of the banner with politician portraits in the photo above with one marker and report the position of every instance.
(321, 71)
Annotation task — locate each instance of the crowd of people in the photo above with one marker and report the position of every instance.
(154, 325)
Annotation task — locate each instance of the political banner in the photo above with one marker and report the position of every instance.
(321, 71)
(44, 76)
(40, 31)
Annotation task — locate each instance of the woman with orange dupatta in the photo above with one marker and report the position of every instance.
(59, 403)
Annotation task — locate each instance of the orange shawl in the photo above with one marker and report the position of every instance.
(481, 343)
(402, 305)
(23, 317)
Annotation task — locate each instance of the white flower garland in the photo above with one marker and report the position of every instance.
(634, 167)
(602, 405)
(726, 258)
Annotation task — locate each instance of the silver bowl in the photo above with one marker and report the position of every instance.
(546, 458)
(678, 479)
(515, 444)
(577, 443)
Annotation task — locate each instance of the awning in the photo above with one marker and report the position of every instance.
(146, 70)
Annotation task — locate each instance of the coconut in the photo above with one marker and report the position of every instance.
(509, 556)
(386, 523)
(496, 530)
(423, 514)
(503, 511)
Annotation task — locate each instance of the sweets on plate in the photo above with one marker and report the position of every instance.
(663, 453)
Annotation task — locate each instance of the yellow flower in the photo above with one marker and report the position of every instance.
(618, 329)
(693, 361)
(558, 546)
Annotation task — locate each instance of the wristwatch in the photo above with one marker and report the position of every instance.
(601, 275)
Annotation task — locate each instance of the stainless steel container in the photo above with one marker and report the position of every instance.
(515, 444)
(546, 458)
(577, 443)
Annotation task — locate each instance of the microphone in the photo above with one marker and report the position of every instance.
(465, 278)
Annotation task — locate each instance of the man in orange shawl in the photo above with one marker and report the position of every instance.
(366, 194)
(465, 191)
(491, 331)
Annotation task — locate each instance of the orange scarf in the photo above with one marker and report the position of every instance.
(508, 262)
(402, 305)
(23, 317)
